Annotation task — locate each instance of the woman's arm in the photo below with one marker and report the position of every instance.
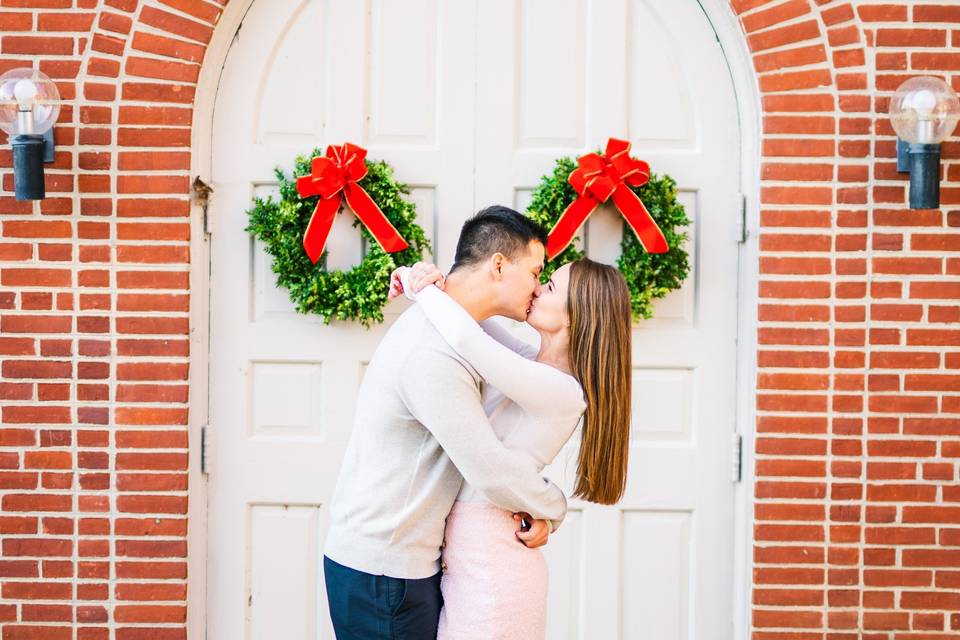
(499, 333)
(538, 388)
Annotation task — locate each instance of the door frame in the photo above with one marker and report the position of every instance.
(201, 157)
(733, 43)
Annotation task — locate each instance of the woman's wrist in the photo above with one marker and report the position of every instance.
(405, 282)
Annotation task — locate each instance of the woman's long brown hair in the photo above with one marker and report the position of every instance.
(601, 324)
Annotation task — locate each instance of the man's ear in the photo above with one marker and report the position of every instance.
(496, 265)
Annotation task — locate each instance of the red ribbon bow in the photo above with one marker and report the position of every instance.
(595, 181)
(334, 177)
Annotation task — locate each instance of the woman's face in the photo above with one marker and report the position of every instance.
(548, 312)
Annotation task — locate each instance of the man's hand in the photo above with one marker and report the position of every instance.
(537, 535)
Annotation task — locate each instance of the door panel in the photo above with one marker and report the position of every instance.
(283, 385)
(566, 76)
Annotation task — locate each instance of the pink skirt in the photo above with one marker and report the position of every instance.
(494, 587)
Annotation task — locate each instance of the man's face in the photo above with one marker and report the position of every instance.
(521, 282)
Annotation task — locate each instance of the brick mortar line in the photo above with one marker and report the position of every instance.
(870, 71)
(109, 428)
(76, 266)
(836, 304)
(763, 184)
(138, 26)
(832, 324)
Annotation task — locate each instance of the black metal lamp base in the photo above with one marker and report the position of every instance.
(924, 176)
(922, 161)
(28, 167)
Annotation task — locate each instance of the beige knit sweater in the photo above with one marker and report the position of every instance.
(419, 431)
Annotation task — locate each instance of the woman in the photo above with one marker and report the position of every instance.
(493, 586)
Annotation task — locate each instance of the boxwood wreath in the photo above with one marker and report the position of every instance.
(355, 294)
(649, 276)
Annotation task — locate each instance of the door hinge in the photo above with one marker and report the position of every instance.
(201, 195)
(205, 449)
(736, 443)
(742, 231)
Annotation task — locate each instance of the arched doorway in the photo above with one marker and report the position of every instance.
(471, 103)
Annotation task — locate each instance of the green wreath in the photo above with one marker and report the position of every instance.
(649, 275)
(359, 293)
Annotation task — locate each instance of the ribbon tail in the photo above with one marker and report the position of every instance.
(569, 223)
(318, 229)
(640, 220)
(372, 217)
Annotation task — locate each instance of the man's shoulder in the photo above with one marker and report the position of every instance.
(422, 346)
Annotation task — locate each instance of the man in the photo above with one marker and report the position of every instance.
(419, 432)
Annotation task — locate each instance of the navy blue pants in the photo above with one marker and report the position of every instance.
(369, 607)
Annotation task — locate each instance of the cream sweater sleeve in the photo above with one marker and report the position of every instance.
(496, 331)
(443, 396)
(536, 387)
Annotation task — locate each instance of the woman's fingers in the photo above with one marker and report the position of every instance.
(396, 285)
(423, 275)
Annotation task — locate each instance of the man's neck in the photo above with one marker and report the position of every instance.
(461, 286)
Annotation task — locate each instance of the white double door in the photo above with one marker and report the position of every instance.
(471, 102)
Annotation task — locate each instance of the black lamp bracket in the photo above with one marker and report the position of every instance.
(903, 156)
(48, 150)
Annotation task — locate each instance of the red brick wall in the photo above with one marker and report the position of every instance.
(858, 393)
(857, 512)
(94, 314)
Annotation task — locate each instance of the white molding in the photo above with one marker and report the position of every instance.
(200, 164)
(734, 45)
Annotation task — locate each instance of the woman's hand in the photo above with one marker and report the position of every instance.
(420, 276)
(423, 274)
(396, 283)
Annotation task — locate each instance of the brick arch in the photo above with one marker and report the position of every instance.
(94, 315)
(811, 73)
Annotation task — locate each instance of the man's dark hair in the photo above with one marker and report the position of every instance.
(492, 230)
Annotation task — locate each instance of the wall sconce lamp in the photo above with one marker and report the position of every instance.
(29, 106)
(924, 112)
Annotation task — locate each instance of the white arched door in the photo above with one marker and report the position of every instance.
(471, 102)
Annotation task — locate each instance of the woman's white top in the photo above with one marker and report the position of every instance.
(533, 407)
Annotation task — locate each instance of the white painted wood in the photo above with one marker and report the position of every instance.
(284, 578)
(563, 555)
(729, 33)
(657, 600)
(465, 100)
(300, 74)
(658, 565)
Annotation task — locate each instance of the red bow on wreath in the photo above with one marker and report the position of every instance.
(334, 177)
(595, 181)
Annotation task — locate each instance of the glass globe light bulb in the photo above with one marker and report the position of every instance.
(29, 102)
(924, 110)
(924, 102)
(25, 91)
